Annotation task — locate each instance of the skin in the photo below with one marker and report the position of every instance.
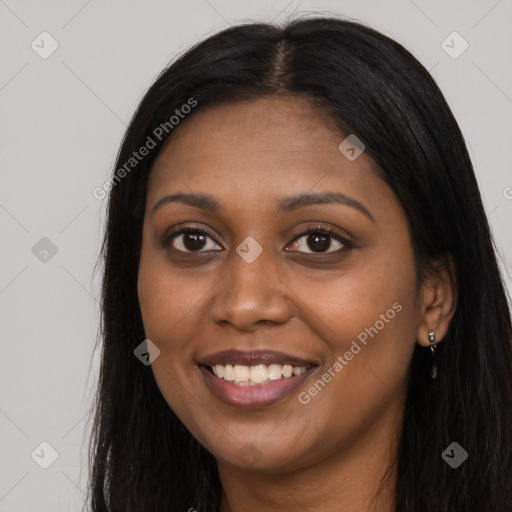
(334, 450)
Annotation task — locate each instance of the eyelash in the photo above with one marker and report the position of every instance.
(313, 230)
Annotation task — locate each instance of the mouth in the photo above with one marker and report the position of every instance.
(242, 375)
(254, 379)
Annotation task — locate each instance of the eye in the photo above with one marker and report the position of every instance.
(191, 240)
(319, 241)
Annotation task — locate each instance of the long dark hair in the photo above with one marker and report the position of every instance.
(142, 457)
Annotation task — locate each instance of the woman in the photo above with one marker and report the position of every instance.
(302, 308)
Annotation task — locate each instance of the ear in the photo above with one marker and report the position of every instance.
(438, 300)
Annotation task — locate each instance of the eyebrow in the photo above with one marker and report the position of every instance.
(285, 205)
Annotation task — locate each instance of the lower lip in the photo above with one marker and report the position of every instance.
(250, 397)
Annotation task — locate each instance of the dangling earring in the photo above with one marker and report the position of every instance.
(432, 339)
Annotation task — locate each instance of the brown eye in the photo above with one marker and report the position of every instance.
(319, 241)
(191, 241)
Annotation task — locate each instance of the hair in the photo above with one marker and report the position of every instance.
(142, 457)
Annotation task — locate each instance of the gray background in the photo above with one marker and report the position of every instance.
(62, 120)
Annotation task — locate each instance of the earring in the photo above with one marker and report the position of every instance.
(432, 340)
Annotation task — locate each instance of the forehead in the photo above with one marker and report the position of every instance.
(244, 153)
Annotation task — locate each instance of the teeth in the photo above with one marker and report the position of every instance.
(251, 375)
(287, 370)
(228, 373)
(241, 373)
(219, 370)
(258, 373)
(274, 371)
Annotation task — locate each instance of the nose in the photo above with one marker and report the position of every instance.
(251, 294)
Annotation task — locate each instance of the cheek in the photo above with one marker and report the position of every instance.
(372, 297)
(173, 304)
(167, 310)
(169, 299)
(371, 340)
(369, 318)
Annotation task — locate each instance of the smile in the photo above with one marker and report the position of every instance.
(254, 379)
(241, 375)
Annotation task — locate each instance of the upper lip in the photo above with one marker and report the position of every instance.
(253, 358)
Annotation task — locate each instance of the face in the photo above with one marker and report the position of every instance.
(277, 280)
